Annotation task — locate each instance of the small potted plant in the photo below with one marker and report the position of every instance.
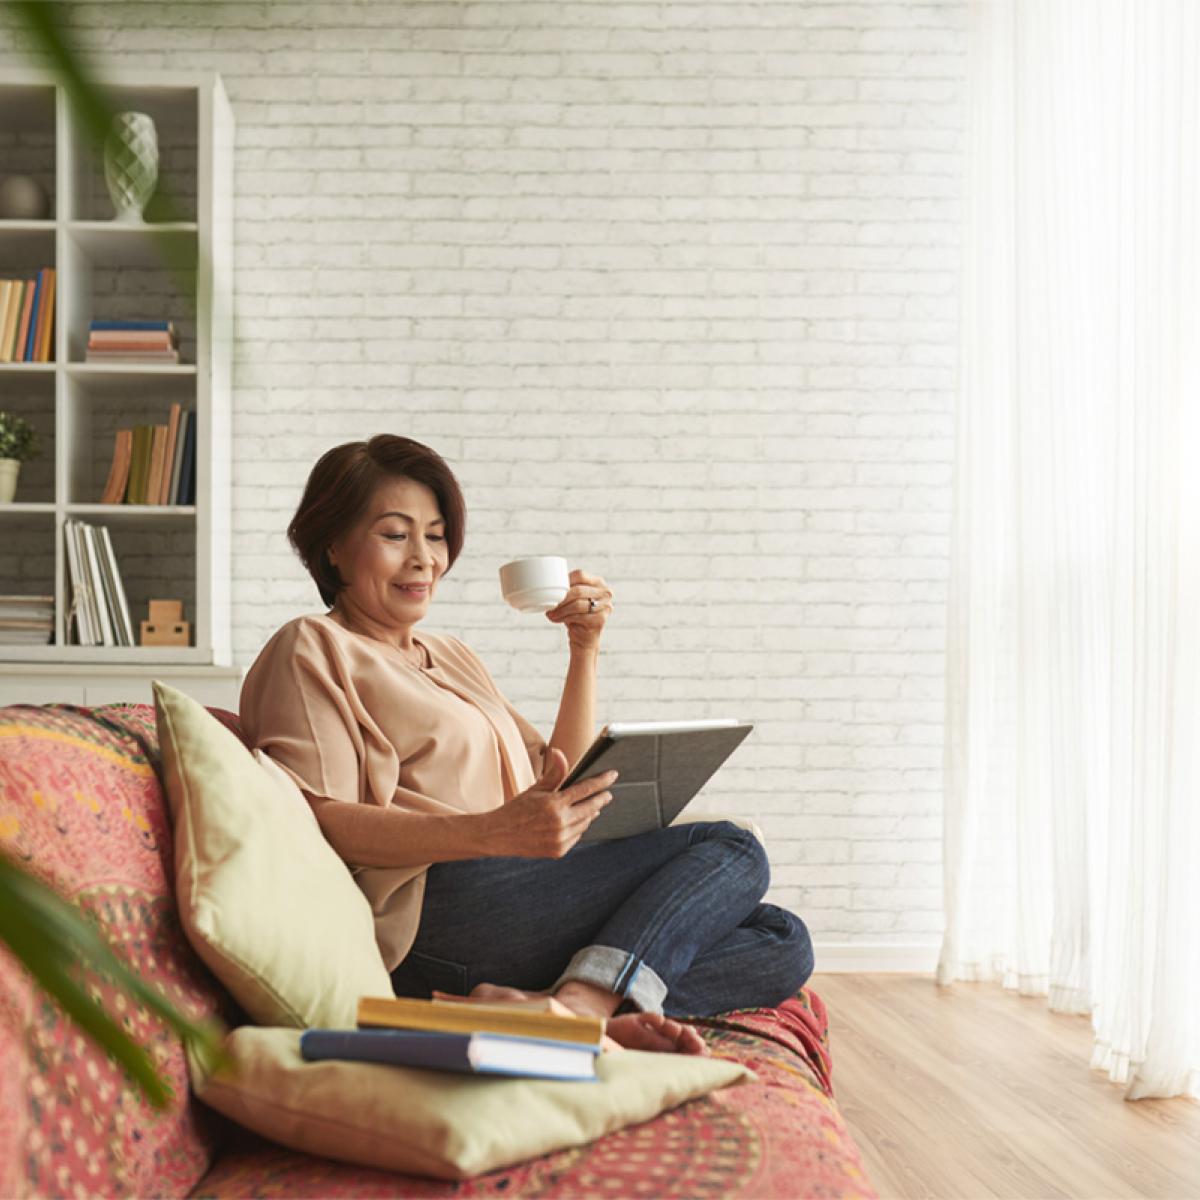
(18, 444)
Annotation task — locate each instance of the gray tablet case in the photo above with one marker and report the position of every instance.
(660, 773)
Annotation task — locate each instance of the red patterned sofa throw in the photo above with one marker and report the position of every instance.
(81, 807)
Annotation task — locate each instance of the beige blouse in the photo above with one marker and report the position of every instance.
(352, 719)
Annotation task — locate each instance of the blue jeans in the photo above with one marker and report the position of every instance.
(670, 920)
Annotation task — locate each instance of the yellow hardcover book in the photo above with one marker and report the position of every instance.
(8, 307)
(17, 303)
(537, 1020)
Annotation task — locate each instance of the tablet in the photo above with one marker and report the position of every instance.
(661, 765)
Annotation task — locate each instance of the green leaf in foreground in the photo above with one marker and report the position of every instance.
(52, 938)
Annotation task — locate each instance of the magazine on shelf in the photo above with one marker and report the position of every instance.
(98, 603)
(78, 611)
(124, 621)
(661, 765)
(26, 620)
(96, 579)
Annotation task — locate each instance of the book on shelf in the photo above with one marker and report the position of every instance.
(79, 611)
(182, 447)
(187, 467)
(118, 472)
(99, 606)
(130, 326)
(132, 342)
(91, 556)
(121, 609)
(31, 336)
(11, 294)
(26, 620)
(27, 317)
(164, 488)
(166, 357)
(470, 1053)
(538, 1017)
(10, 290)
(158, 448)
(143, 436)
(42, 328)
(149, 461)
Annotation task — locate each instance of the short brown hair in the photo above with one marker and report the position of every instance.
(340, 487)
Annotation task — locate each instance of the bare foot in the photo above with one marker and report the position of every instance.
(654, 1031)
(633, 1031)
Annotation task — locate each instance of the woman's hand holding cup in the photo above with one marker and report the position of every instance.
(542, 822)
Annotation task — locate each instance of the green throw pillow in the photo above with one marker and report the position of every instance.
(264, 899)
(441, 1123)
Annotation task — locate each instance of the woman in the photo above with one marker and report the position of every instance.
(444, 800)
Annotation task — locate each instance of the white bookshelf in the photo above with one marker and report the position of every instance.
(108, 270)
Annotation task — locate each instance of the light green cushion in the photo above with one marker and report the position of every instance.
(441, 1123)
(263, 898)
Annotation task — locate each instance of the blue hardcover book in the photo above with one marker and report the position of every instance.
(157, 326)
(471, 1053)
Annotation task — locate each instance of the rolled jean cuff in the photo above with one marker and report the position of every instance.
(619, 972)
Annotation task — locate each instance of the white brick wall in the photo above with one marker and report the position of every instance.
(672, 286)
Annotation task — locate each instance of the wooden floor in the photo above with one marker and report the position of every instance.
(971, 1091)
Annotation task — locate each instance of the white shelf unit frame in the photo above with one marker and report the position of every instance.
(91, 252)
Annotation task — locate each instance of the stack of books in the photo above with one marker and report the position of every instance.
(538, 1038)
(132, 342)
(26, 620)
(27, 318)
(98, 604)
(154, 464)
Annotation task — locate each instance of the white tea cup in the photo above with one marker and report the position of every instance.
(535, 584)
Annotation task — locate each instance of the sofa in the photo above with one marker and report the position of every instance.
(82, 807)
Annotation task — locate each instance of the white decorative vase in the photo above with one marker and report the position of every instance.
(131, 165)
(10, 468)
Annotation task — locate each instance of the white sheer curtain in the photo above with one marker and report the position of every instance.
(1073, 657)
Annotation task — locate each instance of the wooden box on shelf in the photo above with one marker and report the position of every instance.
(166, 626)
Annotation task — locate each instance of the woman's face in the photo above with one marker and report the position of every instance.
(400, 541)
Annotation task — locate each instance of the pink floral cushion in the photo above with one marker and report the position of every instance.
(81, 807)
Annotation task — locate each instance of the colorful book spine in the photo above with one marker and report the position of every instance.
(10, 298)
(164, 487)
(118, 472)
(45, 326)
(31, 335)
(26, 316)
